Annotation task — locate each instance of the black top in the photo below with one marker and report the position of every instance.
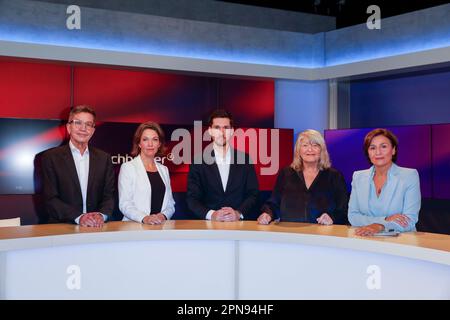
(292, 201)
(158, 191)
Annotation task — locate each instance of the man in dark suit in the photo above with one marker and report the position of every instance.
(226, 188)
(78, 180)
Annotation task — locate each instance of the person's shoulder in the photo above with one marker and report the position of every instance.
(406, 173)
(99, 152)
(162, 167)
(198, 161)
(288, 170)
(239, 152)
(129, 165)
(242, 157)
(333, 171)
(56, 151)
(359, 174)
(198, 158)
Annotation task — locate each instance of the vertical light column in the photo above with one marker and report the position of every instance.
(301, 105)
(333, 104)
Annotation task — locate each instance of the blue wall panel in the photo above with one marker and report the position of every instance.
(418, 99)
(301, 105)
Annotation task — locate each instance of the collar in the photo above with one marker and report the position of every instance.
(220, 159)
(74, 149)
(391, 172)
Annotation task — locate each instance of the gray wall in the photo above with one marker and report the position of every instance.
(218, 12)
(45, 23)
(411, 32)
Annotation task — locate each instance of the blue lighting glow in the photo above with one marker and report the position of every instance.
(413, 32)
(136, 33)
(287, 56)
(346, 52)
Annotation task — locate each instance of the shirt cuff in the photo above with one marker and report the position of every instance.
(77, 220)
(209, 214)
(389, 226)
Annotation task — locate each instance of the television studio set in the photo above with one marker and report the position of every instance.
(218, 150)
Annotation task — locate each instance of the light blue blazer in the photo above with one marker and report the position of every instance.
(400, 194)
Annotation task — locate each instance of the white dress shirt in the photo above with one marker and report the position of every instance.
(82, 166)
(223, 164)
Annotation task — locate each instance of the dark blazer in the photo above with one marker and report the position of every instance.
(292, 201)
(205, 191)
(61, 187)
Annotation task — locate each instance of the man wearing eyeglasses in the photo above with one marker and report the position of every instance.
(78, 180)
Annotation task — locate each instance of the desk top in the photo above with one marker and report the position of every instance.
(418, 245)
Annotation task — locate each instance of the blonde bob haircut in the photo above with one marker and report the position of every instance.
(312, 136)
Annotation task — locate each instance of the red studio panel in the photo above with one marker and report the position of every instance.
(43, 91)
(139, 96)
(275, 157)
(250, 101)
(34, 90)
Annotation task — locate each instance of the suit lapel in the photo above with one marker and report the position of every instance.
(92, 171)
(142, 176)
(231, 176)
(233, 169)
(391, 183)
(71, 169)
(166, 181)
(142, 179)
(367, 181)
(215, 172)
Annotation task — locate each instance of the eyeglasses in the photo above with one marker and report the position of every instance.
(79, 124)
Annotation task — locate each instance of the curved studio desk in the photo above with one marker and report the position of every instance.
(211, 260)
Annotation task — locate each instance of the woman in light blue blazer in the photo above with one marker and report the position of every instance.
(145, 194)
(386, 196)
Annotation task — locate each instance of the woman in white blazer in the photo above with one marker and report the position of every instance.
(145, 194)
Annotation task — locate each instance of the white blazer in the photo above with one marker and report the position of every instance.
(135, 191)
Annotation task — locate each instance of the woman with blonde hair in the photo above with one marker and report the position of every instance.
(309, 190)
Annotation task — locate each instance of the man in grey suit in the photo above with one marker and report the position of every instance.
(78, 180)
